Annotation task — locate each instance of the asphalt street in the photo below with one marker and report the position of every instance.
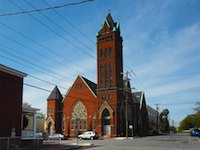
(165, 142)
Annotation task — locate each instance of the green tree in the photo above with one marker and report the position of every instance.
(197, 108)
(40, 115)
(187, 123)
(26, 104)
(197, 115)
(25, 121)
(164, 122)
(192, 120)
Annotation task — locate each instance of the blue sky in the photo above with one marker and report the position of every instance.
(161, 45)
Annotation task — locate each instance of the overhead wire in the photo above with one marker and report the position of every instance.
(37, 78)
(45, 9)
(141, 85)
(138, 80)
(37, 60)
(69, 22)
(18, 42)
(60, 27)
(52, 30)
(45, 81)
(33, 64)
(37, 52)
(47, 90)
(83, 99)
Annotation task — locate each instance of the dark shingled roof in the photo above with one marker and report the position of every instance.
(110, 20)
(55, 94)
(137, 96)
(92, 85)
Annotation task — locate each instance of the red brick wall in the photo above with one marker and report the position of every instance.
(86, 97)
(113, 40)
(56, 114)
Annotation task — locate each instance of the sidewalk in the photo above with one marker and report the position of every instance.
(52, 146)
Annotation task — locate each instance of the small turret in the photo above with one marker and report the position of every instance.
(54, 111)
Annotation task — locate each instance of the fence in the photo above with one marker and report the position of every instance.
(8, 143)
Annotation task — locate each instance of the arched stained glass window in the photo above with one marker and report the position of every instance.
(79, 111)
(79, 115)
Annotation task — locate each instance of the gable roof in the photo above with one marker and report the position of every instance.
(12, 71)
(128, 85)
(91, 85)
(138, 97)
(55, 94)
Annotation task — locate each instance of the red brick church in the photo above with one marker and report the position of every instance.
(99, 107)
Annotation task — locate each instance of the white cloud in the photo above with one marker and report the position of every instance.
(174, 87)
(174, 57)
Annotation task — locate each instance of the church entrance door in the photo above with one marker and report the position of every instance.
(50, 129)
(105, 122)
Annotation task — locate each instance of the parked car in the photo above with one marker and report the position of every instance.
(195, 132)
(56, 136)
(88, 135)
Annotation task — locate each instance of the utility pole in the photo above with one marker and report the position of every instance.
(126, 113)
(127, 90)
(157, 116)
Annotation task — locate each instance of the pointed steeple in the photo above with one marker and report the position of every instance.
(55, 94)
(109, 25)
(110, 20)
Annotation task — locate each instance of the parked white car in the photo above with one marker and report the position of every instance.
(56, 136)
(88, 135)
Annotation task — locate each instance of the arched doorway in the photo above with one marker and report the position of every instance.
(105, 122)
(50, 129)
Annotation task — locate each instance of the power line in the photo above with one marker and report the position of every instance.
(23, 54)
(67, 21)
(114, 103)
(46, 81)
(32, 68)
(32, 75)
(45, 9)
(60, 27)
(39, 53)
(33, 64)
(52, 30)
(141, 85)
(185, 103)
(40, 88)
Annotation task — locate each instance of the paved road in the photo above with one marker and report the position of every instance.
(167, 142)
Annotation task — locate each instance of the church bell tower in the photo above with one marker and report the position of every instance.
(109, 76)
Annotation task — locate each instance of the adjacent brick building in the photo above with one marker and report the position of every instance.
(11, 89)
